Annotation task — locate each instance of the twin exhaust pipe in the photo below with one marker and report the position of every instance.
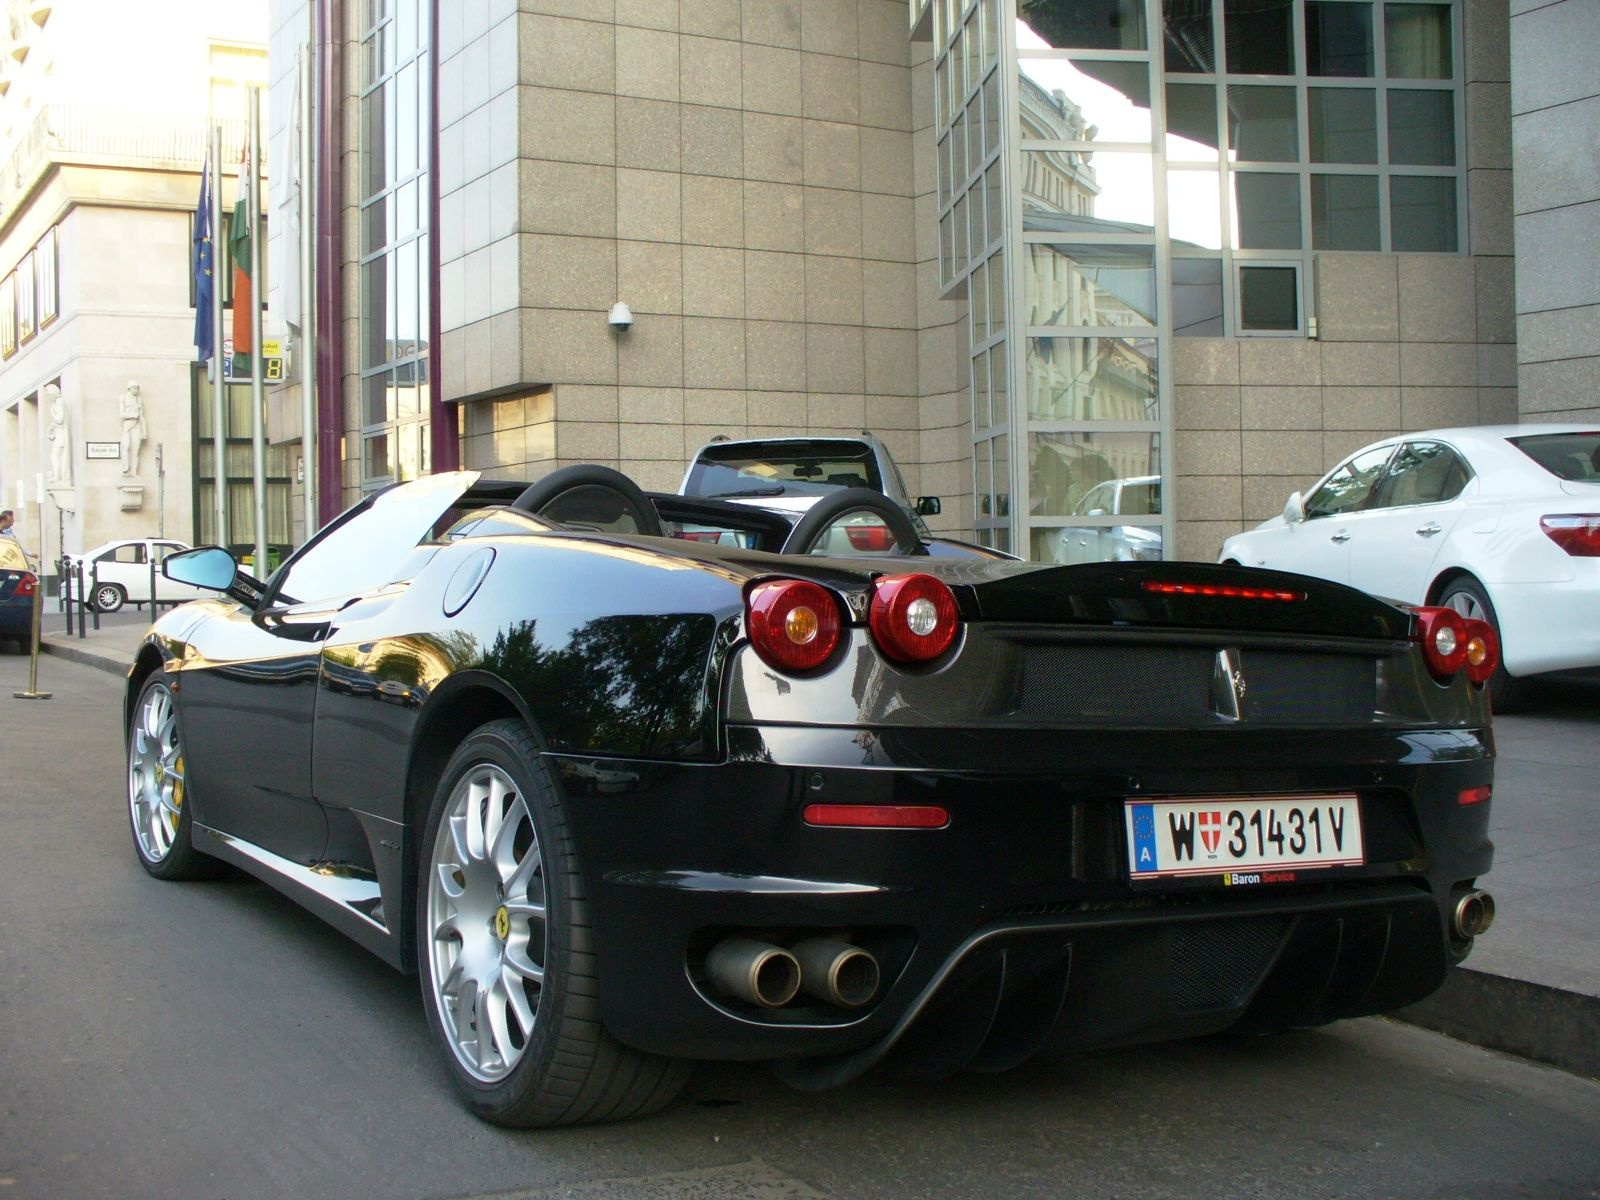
(830, 969)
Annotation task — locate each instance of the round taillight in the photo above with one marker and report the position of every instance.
(794, 625)
(914, 617)
(1443, 634)
(1483, 650)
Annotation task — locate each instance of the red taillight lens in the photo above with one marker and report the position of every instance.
(794, 625)
(1576, 533)
(1483, 651)
(27, 583)
(699, 535)
(878, 816)
(873, 539)
(1443, 634)
(1477, 795)
(914, 617)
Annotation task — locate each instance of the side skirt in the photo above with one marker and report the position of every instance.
(350, 901)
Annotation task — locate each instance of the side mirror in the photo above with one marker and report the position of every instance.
(1294, 509)
(212, 568)
(928, 506)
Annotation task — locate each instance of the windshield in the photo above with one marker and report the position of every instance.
(783, 469)
(1571, 456)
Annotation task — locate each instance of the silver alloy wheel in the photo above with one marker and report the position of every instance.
(486, 911)
(1466, 604)
(108, 598)
(155, 774)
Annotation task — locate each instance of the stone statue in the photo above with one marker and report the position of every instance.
(133, 428)
(60, 437)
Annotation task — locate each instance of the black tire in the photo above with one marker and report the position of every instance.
(566, 1068)
(826, 511)
(109, 597)
(539, 497)
(1467, 596)
(159, 815)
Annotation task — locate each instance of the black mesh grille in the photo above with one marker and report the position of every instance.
(1215, 963)
(1174, 685)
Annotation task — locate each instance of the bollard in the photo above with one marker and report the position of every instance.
(93, 595)
(33, 692)
(83, 604)
(64, 592)
(153, 609)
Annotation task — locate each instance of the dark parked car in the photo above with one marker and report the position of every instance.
(625, 799)
(17, 586)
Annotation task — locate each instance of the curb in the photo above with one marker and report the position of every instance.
(87, 657)
(1531, 1020)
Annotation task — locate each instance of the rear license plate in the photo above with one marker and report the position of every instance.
(1245, 839)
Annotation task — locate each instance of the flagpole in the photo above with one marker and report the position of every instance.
(307, 350)
(219, 383)
(257, 383)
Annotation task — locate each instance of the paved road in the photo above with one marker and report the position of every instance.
(211, 1040)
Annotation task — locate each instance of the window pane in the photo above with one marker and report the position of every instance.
(1422, 128)
(1187, 36)
(1417, 39)
(1343, 124)
(1422, 473)
(1350, 487)
(1422, 213)
(1081, 24)
(1267, 211)
(1090, 285)
(1338, 38)
(1344, 212)
(1092, 379)
(1192, 122)
(1197, 297)
(1269, 299)
(1262, 126)
(1062, 100)
(1194, 208)
(1063, 468)
(1066, 191)
(1258, 34)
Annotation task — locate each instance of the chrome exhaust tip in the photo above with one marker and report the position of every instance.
(754, 971)
(837, 972)
(1473, 913)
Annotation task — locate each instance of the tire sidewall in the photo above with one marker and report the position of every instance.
(502, 744)
(179, 860)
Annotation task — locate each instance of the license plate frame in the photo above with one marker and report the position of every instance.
(1175, 838)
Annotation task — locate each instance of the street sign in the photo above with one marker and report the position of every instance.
(102, 450)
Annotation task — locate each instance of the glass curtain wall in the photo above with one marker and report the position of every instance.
(239, 473)
(395, 285)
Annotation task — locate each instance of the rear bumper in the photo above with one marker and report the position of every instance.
(1014, 926)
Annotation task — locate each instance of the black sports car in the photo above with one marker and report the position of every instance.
(625, 798)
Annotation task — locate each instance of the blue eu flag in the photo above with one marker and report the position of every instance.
(204, 295)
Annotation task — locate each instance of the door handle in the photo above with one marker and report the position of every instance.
(1341, 537)
(1429, 529)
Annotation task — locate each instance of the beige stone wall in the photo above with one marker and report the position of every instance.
(742, 176)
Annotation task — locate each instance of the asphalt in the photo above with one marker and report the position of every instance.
(1531, 986)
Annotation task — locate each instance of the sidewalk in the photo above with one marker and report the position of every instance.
(1532, 984)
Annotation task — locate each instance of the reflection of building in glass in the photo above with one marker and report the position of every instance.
(1055, 181)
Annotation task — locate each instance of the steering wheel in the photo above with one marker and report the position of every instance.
(561, 496)
(822, 515)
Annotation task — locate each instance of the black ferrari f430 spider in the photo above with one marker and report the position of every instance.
(633, 780)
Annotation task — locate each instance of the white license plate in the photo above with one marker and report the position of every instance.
(1244, 839)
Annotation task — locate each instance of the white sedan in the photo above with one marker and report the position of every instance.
(116, 572)
(1496, 522)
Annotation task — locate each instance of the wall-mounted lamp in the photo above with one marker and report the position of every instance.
(621, 318)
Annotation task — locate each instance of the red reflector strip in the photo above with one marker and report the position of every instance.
(1475, 795)
(1229, 591)
(878, 816)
